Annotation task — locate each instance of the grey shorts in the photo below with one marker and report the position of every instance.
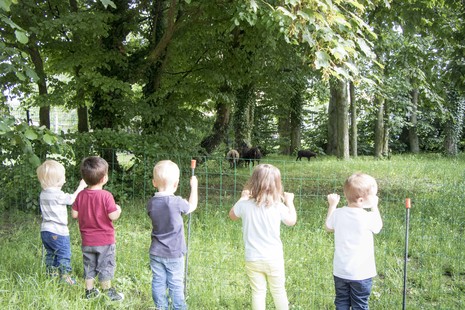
(99, 260)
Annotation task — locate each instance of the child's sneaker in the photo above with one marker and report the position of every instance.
(92, 293)
(114, 295)
(66, 278)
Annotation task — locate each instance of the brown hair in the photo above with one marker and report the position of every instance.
(359, 185)
(265, 185)
(93, 169)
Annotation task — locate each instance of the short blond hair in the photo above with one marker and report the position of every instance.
(359, 185)
(265, 185)
(166, 172)
(51, 174)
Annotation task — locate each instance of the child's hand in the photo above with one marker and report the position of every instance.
(82, 184)
(288, 198)
(333, 199)
(245, 194)
(194, 182)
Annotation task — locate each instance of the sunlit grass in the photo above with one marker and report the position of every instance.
(217, 280)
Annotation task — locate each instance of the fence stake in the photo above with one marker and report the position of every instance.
(193, 164)
(407, 222)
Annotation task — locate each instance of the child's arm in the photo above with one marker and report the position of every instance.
(74, 214)
(245, 194)
(115, 214)
(81, 186)
(333, 200)
(194, 196)
(378, 222)
(292, 216)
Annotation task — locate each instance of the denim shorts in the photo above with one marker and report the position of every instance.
(352, 293)
(99, 261)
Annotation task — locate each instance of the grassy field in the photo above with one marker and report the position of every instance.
(217, 280)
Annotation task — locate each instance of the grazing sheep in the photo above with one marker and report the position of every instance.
(233, 158)
(305, 153)
(251, 155)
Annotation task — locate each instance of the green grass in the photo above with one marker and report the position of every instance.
(217, 280)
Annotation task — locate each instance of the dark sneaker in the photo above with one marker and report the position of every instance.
(114, 295)
(92, 293)
(66, 278)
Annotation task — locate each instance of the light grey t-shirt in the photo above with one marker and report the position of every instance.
(53, 202)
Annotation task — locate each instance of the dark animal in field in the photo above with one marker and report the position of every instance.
(251, 155)
(305, 153)
(233, 158)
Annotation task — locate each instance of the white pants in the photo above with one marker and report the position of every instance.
(259, 273)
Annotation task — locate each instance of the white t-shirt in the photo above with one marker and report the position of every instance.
(261, 229)
(53, 202)
(354, 254)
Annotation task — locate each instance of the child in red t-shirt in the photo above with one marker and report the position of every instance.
(95, 209)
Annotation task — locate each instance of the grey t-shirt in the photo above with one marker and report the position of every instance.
(166, 213)
(53, 202)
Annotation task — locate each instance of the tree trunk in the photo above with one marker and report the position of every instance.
(331, 148)
(454, 125)
(353, 122)
(243, 116)
(343, 121)
(339, 119)
(386, 151)
(44, 110)
(296, 121)
(379, 127)
(413, 135)
(219, 130)
(83, 119)
(284, 131)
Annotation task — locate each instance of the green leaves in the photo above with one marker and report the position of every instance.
(107, 3)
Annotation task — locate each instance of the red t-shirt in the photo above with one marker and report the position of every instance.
(93, 207)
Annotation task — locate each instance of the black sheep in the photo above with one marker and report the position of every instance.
(305, 153)
(251, 155)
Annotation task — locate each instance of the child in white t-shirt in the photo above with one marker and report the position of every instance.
(262, 211)
(353, 226)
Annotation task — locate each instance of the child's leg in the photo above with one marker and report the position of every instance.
(63, 254)
(48, 240)
(342, 287)
(257, 278)
(276, 278)
(175, 281)
(359, 293)
(106, 265)
(89, 259)
(159, 283)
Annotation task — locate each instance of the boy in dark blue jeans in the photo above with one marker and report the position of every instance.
(54, 228)
(168, 245)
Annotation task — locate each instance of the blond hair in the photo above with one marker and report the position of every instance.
(265, 185)
(359, 185)
(51, 174)
(166, 172)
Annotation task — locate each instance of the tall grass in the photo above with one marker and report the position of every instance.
(217, 280)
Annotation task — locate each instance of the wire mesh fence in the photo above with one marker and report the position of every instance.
(436, 268)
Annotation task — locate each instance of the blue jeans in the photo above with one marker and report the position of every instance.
(168, 273)
(58, 252)
(352, 293)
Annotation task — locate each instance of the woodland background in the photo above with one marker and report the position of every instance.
(342, 78)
